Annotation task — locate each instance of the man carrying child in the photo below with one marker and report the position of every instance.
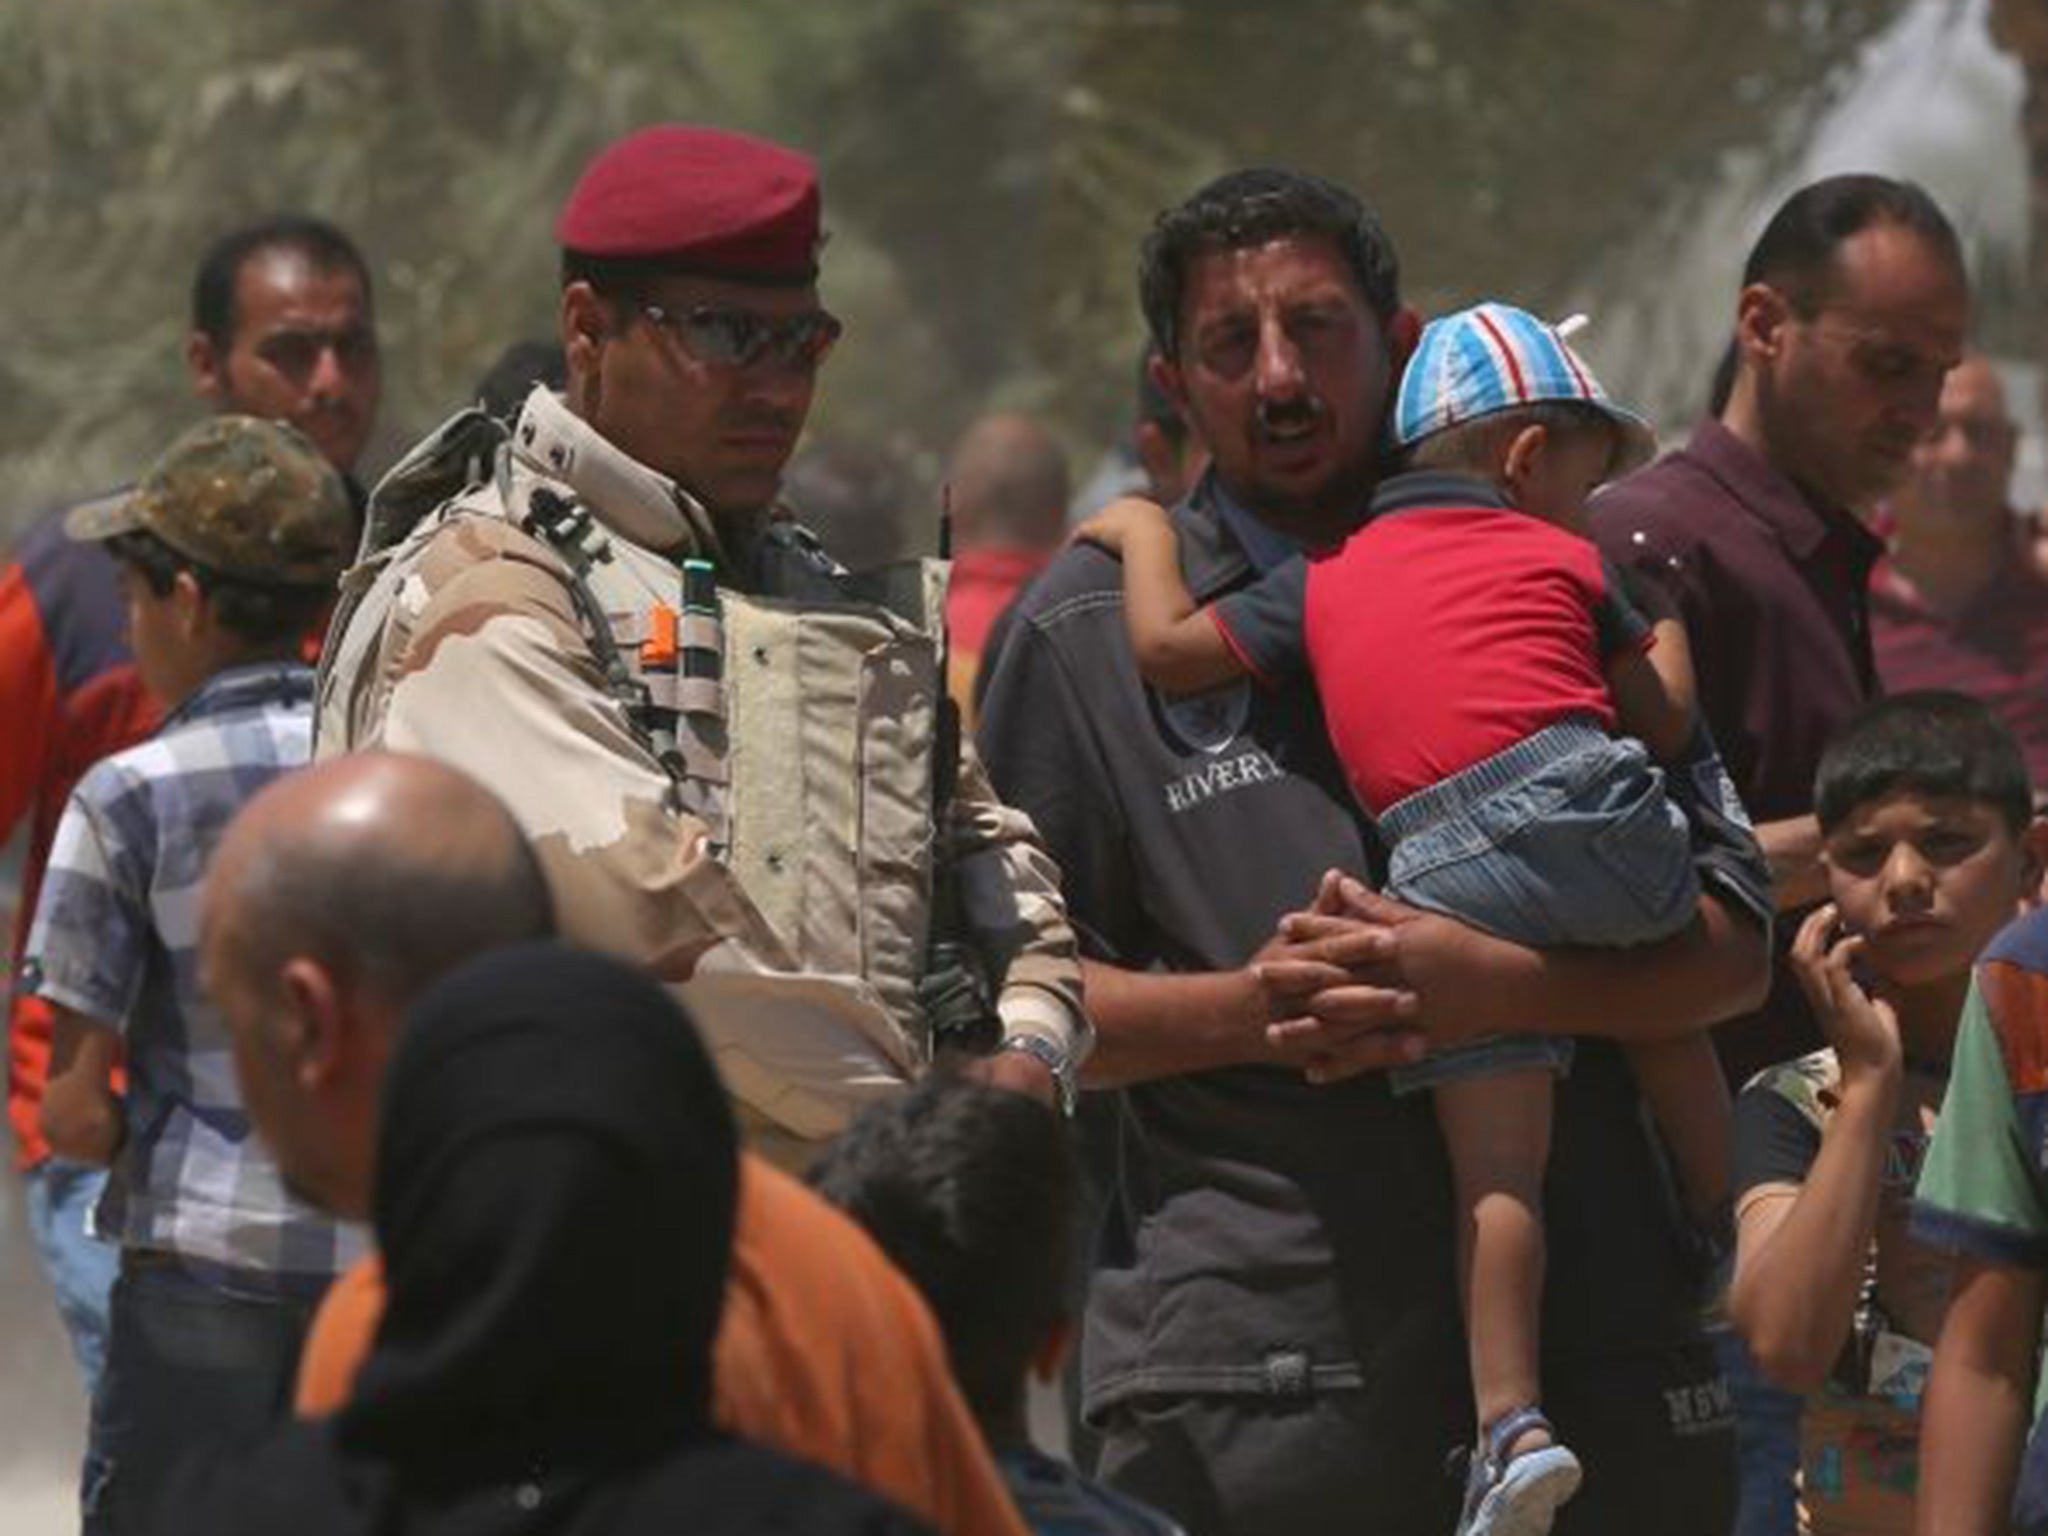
(1490, 769)
(1273, 1334)
(227, 552)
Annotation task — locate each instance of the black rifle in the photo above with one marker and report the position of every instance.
(954, 991)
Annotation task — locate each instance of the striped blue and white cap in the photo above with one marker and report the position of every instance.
(1495, 357)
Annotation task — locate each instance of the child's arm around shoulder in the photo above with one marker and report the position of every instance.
(1178, 646)
(1655, 697)
(1648, 662)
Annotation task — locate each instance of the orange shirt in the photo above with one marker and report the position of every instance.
(825, 1351)
(69, 695)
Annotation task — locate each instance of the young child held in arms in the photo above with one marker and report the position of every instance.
(1483, 679)
(1924, 814)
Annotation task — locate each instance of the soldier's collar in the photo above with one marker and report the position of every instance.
(633, 501)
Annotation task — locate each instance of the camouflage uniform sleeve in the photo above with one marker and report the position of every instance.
(1010, 889)
(483, 665)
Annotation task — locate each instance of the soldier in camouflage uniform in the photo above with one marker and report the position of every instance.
(723, 746)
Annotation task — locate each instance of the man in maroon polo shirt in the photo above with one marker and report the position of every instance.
(1854, 307)
(1957, 604)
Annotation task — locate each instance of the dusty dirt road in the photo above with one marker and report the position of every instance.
(42, 1410)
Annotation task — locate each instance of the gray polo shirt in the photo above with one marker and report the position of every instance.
(1268, 1237)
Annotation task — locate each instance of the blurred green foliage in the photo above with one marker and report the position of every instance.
(989, 169)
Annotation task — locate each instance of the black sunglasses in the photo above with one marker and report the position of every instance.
(739, 338)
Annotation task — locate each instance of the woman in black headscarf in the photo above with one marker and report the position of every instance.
(556, 1176)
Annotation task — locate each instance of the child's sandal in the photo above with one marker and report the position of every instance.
(1517, 1495)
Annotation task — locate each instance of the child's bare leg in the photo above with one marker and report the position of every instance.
(1682, 1082)
(1497, 1131)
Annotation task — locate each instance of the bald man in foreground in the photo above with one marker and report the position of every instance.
(336, 897)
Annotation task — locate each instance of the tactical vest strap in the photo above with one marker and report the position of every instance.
(688, 695)
(656, 701)
(572, 533)
(798, 729)
(456, 456)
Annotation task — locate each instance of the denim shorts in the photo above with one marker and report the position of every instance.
(1564, 838)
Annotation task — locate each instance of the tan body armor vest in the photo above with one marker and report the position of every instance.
(809, 759)
(805, 750)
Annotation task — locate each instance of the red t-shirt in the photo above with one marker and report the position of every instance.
(984, 582)
(1447, 629)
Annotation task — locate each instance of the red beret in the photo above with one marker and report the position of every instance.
(710, 201)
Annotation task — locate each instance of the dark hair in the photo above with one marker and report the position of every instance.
(617, 279)
(513, 373)
(631, 279)
(970, 1191)
(1797, 248)
(1721, 386)
(1154, 406)
(260, 614)
(1474, 447)
(1250, 207)
(852, 495)
(213, 288)
(1932, 742)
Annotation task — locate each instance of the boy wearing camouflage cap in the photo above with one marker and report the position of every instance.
(228, 551)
